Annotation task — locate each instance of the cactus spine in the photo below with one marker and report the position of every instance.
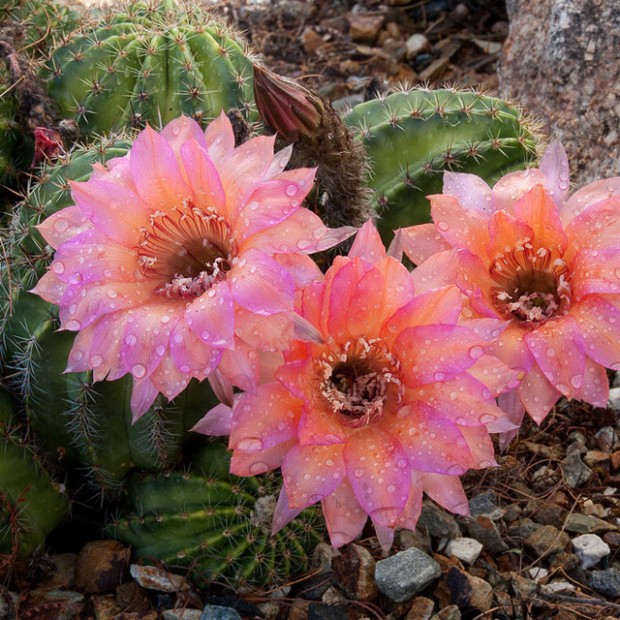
(412, 137)
(149, 64)
(31, 503)
(216, 523)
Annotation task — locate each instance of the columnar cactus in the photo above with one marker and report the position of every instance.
(151, 62)
(31, 503)
(216, 523)
(79, 422)
(412, 137)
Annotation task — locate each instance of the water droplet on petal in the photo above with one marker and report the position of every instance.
(138, 371)
(476, 352)
(443, 226)
(291, 190)
(60, 225)
(258, 467)
(96, 360)
(73, 325)
(250, 445)
(58, 267)
(576, 381)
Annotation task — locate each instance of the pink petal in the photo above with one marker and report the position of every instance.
(300, 267)
(168, 379)
(271, 202)
(411, 512)
(321, 426)
(367, 244)
(283, 512)
(595, 386)
(512, 405)
(220, 138)
(90, 257)
(311, 473)
(268, 333)
(558, 349)
(64, 225)
(344, 517)
(430, 353)
(471, 191)
(113, 210)
(181, 130)
(260, 284)
(422, 241)
(447, 491)
(104, 353)
(590, 196)
(145, 339)
(441, 269)
(303, 231)
(312, 303)
(252, 464)
(50, 287)
(222, 387)
(211, 316)
(378, 471)
(385, 536)
(595, 271)
(143, 396)
(506, 232)
(595, 228)
(475, 282)
(495, 375)
(461, 228)
(203, 178)
(438, 306)
(279, 163)
(263, 419)
(297, 376)
(190, 354)
(598, 321)
(83, 304)
(480, 446)
(156, 172)
(537, 394)
(539, 211)
(514, 185)
(511, 348)
(432, 443)
(554, 166)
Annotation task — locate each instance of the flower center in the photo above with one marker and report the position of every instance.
(360, 381)
(187, 251)
(533, 285)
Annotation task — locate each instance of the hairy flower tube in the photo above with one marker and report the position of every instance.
(396, 399)
(182, 259)
(544, 263)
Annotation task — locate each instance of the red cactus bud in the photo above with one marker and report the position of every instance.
(286, 106)
(47, 144)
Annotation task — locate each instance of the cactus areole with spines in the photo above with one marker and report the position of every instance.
(150, 63)
(412, 137)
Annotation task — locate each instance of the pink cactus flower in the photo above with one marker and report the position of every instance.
(544, 263)
(395, 398)
(182, 259)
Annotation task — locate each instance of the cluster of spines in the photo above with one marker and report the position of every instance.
(412, 136)
(150, 63)
(216, 524)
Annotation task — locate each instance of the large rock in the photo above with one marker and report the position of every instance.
(562, 63)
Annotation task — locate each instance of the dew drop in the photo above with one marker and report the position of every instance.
(259, 467)
(96, 361)
(486, 418)
(60, 225)
(73, 325)
(476, 352)
(250, 445)
(576, 381)
(58, 267)
(138, 371)
(291, 190)
(443, 226)
(359, 472)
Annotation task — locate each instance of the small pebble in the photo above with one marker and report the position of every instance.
(590, 549)
(465, 549)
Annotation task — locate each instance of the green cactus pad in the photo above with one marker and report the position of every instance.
(150, 64)
(412, 137)
(31, 503)
(84, 423)
(215, 523)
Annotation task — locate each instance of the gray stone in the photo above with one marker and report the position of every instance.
(575, 470)
(486, 532)
(590, 549)
(217, 612)
(403, 575)
(451, 612)
(485, 504)
(465, 549)
(561, 63)
(154, 578)
(437, 522)
(416, 44)
(547, 540)
(186, 614)
(606, 582)
(421, 609)
(587, 524)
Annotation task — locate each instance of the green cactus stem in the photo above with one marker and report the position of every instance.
(150, 63)
(32, 504)
(216, 524)
(412, 137)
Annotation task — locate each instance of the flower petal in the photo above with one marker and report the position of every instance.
(422, 241)
(203, 178)
(447, 491)
(283, 513)
(143, 395)
(379, 474)
(181, 130)
(441, 269)
(319, 426)
(311, 473)
(554, 166)
(255, 463)
(344, 517)
(220, 138)
(589, 197)
(595, 228)
(63, 225)
(558, 349)
(472, 192)
(368, 245)
(537, 394)
(514, 185)
(595, 271)
(511, 348)
(211, 316)
(190, 354)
